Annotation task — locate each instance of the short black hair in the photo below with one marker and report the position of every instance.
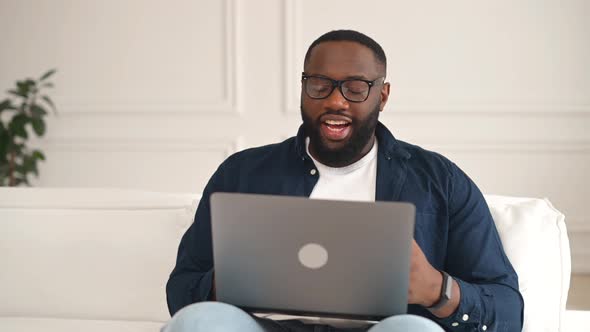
(353, 36)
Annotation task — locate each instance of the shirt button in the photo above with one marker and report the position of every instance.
(455, 324)
(312, 172)
(465, 317)
(485, 327)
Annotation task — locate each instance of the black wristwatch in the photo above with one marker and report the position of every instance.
(445, 292)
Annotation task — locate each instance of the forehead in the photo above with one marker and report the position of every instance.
(342, 59)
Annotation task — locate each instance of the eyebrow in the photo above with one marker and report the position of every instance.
(350, 77)
(357, 77)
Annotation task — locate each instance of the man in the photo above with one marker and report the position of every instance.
(343, 152)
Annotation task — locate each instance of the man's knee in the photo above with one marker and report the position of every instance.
(403, 323)
(211, 316)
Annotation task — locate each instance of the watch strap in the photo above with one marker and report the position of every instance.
(445, 292)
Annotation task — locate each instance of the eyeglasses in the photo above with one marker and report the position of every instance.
(353, 90)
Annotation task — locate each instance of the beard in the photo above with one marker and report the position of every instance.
(349, 152)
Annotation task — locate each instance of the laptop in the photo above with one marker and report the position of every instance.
(299, 256)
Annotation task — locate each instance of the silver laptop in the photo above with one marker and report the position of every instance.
(300, 256)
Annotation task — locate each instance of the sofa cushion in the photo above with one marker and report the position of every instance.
(89, 253)
(535, 240)
(61, 325)
(575, 320)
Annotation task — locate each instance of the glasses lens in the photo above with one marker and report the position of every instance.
(317, 87)
(355, 90)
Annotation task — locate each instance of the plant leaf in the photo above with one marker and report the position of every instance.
(38, 126)
(32, 166)
(16, 148)
(27, 164)
(47, 85)
(47, 74)
(38, 111)
(21, 180)
(6, 105)
(24, 87)
(37, 154)
(17, 93)
(4, 141)
(17, 125)
(20, 168)
(50, 103)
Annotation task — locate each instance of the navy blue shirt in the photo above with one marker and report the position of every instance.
(453, 226)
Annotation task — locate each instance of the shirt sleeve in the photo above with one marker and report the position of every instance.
(490, 299)
(192, 278)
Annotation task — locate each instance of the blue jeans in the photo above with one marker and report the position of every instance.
(222, 317)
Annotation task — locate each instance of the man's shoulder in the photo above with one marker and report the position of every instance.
(424, 158)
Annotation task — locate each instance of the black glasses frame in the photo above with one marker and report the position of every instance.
(338, 84)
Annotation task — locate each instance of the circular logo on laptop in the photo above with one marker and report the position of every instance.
(313, 256)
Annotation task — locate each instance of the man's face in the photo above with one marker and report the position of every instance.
(340, 131)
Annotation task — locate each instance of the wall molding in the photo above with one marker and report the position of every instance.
(488, 109)
(581, 264)
(161, 145)
(578, 229)
(293, 48)
(536, 147)
(578, 226)
(226, 105)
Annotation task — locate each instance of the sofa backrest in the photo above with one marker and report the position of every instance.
(107, 254)
(535, 240)
(89, 253)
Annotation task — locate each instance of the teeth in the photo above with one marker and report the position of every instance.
(336, 122)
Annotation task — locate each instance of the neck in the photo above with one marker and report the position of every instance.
(344, 163)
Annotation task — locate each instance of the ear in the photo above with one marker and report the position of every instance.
(384, 96)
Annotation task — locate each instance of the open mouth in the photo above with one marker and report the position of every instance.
(335, 129)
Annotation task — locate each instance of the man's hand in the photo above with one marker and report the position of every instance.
(425, 280)
(426, 284)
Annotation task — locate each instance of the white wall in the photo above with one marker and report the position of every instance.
(155, 94)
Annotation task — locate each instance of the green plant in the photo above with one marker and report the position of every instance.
(23, 110)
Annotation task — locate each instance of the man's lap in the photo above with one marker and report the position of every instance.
(220, 317)
(295, 325)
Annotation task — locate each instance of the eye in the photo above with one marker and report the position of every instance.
(318, 85)
(321, 87)
(356, 87)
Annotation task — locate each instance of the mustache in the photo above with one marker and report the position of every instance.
(330, 112)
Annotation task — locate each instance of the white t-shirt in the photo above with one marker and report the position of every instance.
(355, 182)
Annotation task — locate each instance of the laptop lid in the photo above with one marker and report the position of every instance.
(300, 256)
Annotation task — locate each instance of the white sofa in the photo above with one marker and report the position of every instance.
(98, 259)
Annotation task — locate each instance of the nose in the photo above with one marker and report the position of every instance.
(336, 101)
